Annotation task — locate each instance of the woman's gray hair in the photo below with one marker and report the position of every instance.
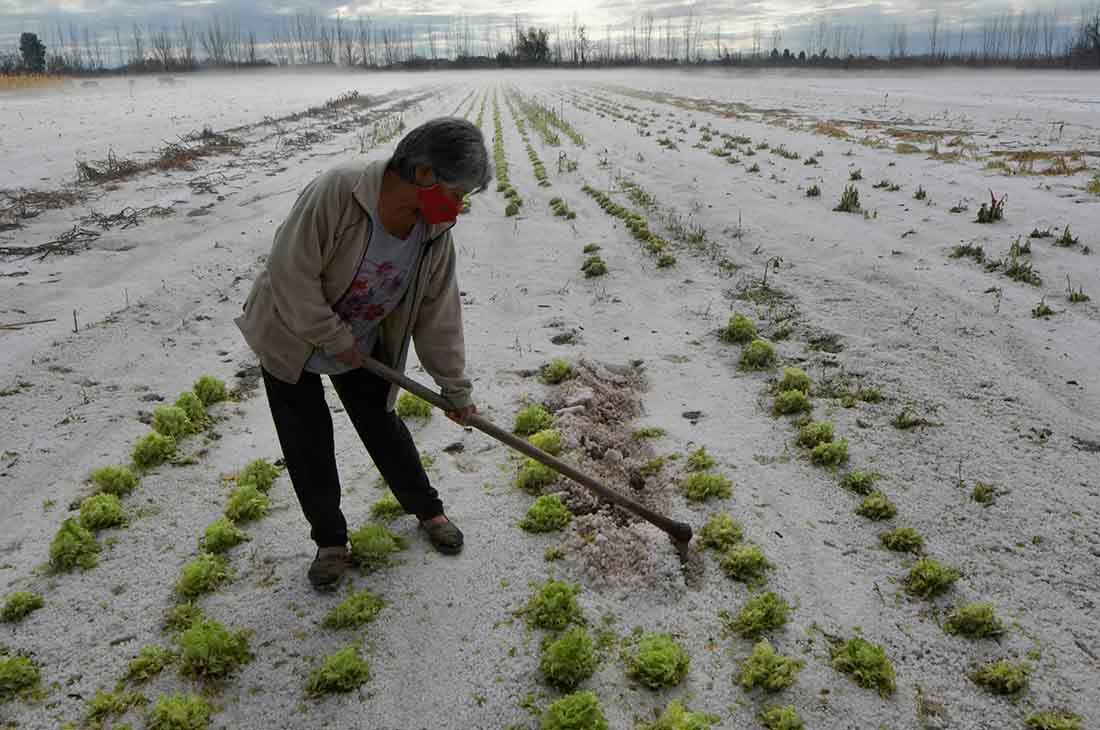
(452, 147)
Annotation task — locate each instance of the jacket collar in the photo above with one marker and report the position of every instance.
(370, 184)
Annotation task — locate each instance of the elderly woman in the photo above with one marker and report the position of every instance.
(364, 263)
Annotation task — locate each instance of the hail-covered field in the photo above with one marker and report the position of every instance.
(885, 413)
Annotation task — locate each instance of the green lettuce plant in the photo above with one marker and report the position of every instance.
(172, 421)
(246, 503)
(373, 546)
(657, 661)
(531, 420)
(18, 605)
(768, 670)
(760, 614)
(739, 330)
(556, 371)
(358, 609)
(179, 712)
(1056, 719)
(116, 480)
(221, 535)
(568, 660)
(210, 390)
(758, 355)
(876, 506)
(74, 546)
(153, 449)
(781, 718)
(548, 440)
(974, 621)
(411, 406)
(789, 402)
(701, 486)
(677, 717)
(192, 406)
(208, 650)
(534, 475)
(865, 663)
(341, 671)
(149, 662)
(928, 578)
(721, 532)
(546, 515)
(902, 540)
(387, 508)
(553, 605)
(1002, 677)
(745, 562)
(202, 575)
(577, 711)
(259, 473)
(19, 676)
(100, 511)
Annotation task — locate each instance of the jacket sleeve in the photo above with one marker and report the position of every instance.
(295, 268)
(437, 332)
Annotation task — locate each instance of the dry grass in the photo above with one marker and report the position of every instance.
(830, 130)
(24, 82)
(1059, 163)
(173, 156)
(20, 205)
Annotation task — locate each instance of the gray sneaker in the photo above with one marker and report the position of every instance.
(329, 566)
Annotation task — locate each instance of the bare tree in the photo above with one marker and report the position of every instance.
(757, 35)
(933, 34)
(161, 44)
(903, 40)
(187, 45)
(137, 53)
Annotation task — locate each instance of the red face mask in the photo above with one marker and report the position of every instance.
(435, 205)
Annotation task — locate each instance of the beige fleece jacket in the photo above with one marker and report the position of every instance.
(314, 258)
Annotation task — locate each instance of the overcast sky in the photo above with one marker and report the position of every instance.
(737, 19)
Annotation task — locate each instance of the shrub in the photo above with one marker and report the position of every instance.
(758, 355)
(1054, 720)
(849, 201)
(546, 514)
(358, 609)
(210, 390)
(556, 371)
(149, 662)
(657, 661)
(153, 449)
(18, 675)
(817, 432)
(739, 330)
(865, 663)
(745, 562)
(648, 432)
(411, 406)
(192, 406)
(677, 717)
(553, 605)
(531, 420)
(373, 545)
(876, 506)
(993, 211)
(101, 511)
(721, 532)
(813, 191)
(569, 660)
(259, 473)
(699, 460)
(974, 621)
(18, 605)
(593, 266)
(833, 453)
(920, 194)
(341, 671)
(202, 575)
(116, 480)
(180, 712)
(704, 485)
(221, 535)
(788, 402)
(210, 651)
(73, 546)
(1002, 677)
(902, 540)
(761, 613)
(794, 379)
(512, 208)
(246, 503)
(781, 718)
(666, 260)
(928, 578)
(577, 711)
(548, 440)
(983, 494)
(859, 481)
(591, 248)
(171, 421)
(534, 475)
(387, 508)
(1042, 309)
(181, 616)
(768, 670)
(105, 705)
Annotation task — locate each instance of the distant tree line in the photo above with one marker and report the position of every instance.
(1034, 39)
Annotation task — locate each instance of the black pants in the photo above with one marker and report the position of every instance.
(304, 425)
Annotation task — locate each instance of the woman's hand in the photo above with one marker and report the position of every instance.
(462, 415)
(351, 357)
